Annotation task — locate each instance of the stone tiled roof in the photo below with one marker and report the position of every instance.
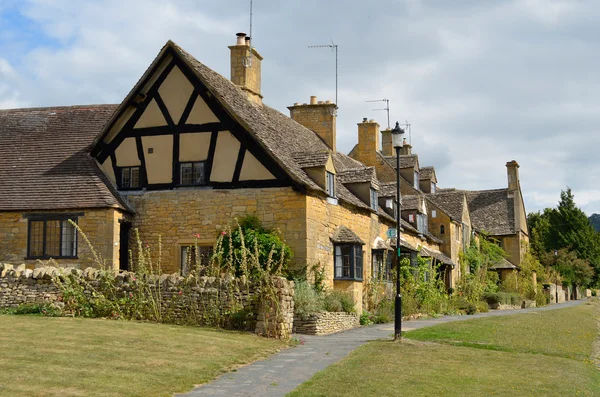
(503, 264)
(427, 173)
(45, 162)
(452, 203)
(358, 175)
(409, 202)
(426, 252)
(387, 189)
(344, 235)
(311, 159)
(406, 160)
(492, 211)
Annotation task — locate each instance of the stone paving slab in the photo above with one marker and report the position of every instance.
(285, 371)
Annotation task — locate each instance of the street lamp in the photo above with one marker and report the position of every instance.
(556, 275)
(397, 143)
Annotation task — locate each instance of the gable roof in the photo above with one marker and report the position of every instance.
(406, 161)
(344, 235)
(492, 211)
(427, 173)
(45, 162)
(452, 203)
(358, 175)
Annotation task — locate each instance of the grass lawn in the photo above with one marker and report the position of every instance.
(534, 354)
(42, 356)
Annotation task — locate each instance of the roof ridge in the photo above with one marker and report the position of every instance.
(98, 105)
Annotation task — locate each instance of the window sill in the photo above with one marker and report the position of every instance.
(32, 258)
(360, 280)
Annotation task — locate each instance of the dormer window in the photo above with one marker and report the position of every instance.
(389, 203)
(130, 177)
(330, 184)
(432, 187)
(374, 199)
(422, 223)
(416, 180)
(192, 174)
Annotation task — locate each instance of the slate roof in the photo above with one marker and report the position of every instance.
(344, 235)
(492, 211)
(452, 203)
(387, 189)
(45, 162)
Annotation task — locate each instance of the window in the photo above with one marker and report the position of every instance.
(130, 177)
(389, 203)
(433, 187)
(382, 264)
(416, 180)
(52, 238)
(422, 223)
(189, 260)
(411, 218)
(433, 213)
(374, 198)
(192, 174)
(330, 184)
(348, 262)
(456, 232)
(441, 229)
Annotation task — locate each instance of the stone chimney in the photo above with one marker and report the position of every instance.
(245, 67)
(368, 142)
(318, 116)
(386, 143)
(512, 170)
(406, 149)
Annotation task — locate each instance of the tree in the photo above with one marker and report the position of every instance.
(539, 231)
(574, 271)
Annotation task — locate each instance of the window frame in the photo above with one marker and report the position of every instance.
(384, 265)
(433, 187)
(374, 197)
(192, 163)
(63, 220)
(356, 261)
(130, 170)
(416, 177)
(205, 256)
(330, 184)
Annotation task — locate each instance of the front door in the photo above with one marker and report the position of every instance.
(124, 246)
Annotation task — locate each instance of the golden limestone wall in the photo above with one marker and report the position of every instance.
(515, 245)
(322, 219)
(100, 225)
(178, 216)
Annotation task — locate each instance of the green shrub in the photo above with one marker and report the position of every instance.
(482, 307)
(593, 292)
(332, 303)
(503, 298)
(45, 309)
(365, 318)
(382, 318)
(306, 300)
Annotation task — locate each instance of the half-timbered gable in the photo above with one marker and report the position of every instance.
(172, 131)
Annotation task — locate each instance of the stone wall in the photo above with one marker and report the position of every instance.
(183, 300)
(101, 225)
(325, 323)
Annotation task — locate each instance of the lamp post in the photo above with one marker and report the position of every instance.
(397, 143)
(556, 275)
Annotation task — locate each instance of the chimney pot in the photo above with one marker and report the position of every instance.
(364, 119)
(320, 102)
(297, 104)
(241, 38)
(313, 100)
(328, 102)
(372, 121)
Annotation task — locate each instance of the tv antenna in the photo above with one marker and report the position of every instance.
(247, 61)
(386, 108)
(333, 47)
(250, 43)
(406, 127)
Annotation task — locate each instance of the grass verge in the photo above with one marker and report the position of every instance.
(541, 354)
(43, 356)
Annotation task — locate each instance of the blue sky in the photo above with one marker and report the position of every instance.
(481, 82)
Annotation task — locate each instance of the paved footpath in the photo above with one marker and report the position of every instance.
(286, 370)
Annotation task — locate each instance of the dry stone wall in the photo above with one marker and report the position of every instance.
(325, 323)
(183, 300)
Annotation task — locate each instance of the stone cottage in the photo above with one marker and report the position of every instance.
(185, 152)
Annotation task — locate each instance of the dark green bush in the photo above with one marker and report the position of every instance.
(45, 309)
(340, 301)
(365, 318)
(503, 298)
